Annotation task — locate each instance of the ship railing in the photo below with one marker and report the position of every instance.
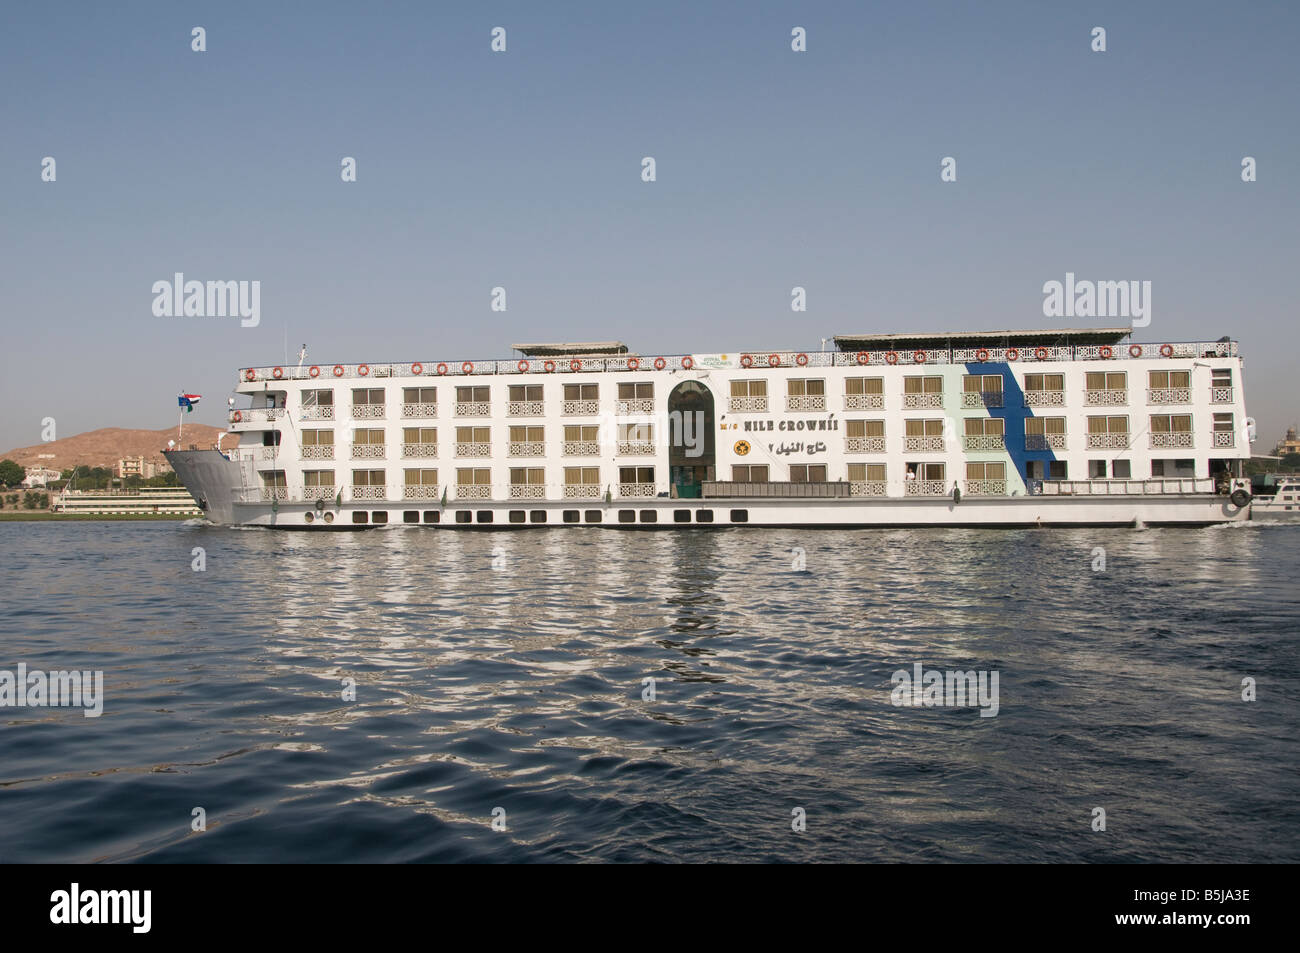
(1159, 486)
(864, 401)
(986, 487)
(925, 488)
(722, 489)
(1169, 395)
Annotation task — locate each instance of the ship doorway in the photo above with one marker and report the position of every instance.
(691, 439)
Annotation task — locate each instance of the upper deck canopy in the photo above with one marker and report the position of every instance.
(1054, 337)
(605, 348)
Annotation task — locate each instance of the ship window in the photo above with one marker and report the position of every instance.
(864, 385)
(317, 478)
(865, 428)
(270, 438)
(1057, 470)
(749, 388)
(581, 392)
(740, 516)
(627, 516)
(681, 516)
(649, 516)
(379, 516)
(633, 391)
(1221, 377)
(985, 426)
(518, 516)
(570, 516)
(922, 385)
(866, 473)
(798, 387)
(1044, 382)
(1096, 469)
(410, 516)
(484, 516)
(592, 516)
(525, 392)
(464, 516)
(367, 395)
(537, 516)
(1101, 380)
(704, 516)
(472, 395)
(359, 517)
(432, 516)
(1163, 380)
(807, 473)
(419, 395)
(749, 473)
(1121, 469)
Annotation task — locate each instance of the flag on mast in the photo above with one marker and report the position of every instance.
(188, 401)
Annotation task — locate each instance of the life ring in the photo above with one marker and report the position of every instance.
(891, 357)
(575, 365)
(660, 363)
(277, 373)
(417, 369)
(237, 417)
(1012, 354)
(746, 361)
(467, 367)
(1166, 350)
(442, 369)
(1040, 353)
(1135, 350)
(338, 370)
(774, 360)
(801, 359)
(688, 362)
(982, 355)
(250, 375)
(918, 357)
(549, 367)
(363, 369)
(1105, 351)
(633, 363)
(863, 357)
(523, 367)
(1239, 498)
(314, 371)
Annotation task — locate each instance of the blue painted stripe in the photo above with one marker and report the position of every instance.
(1014, 413)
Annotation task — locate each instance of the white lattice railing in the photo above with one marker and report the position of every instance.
(416, 450)
(867, 488)
(581, 491)
(369, 451)
(1169, 395)
(580, 408)
(986, 398)
(313, 493)
(525, 408)
(1044, 398)
(1221, 395)
(1171, 441)
(473, 449)
(864, 444)
(636, 490)
(419, 491)
(527, 448)
(864, 401)
(925, 487)
(804, 402)
(1224, 438)
(275, 493)
(1044, 441)
(473, 408)
(984, 441)
(423, 409)
(369, 411)
(527, 491)
(635, 448)
(256, 415)
(581, 448)
(922, 400)
(924, 443)
(318, 451)
(369, 492)
(747, 405)
(1108, 441)
(474, 491)
(318, 412)
(635, 405)
(986, 487)
(1099, 398)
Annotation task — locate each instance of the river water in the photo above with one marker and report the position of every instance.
(503, 674)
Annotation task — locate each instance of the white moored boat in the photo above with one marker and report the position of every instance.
(1007, 428)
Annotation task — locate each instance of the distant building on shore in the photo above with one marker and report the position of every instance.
(139, 466)
(1289, 444)
(40, 476)
(147, 500)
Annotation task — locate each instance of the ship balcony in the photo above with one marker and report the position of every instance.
(800, 402)
(925, 487)
(369, 411)
(1105, 398)
(864, 401)
(864, 444)
(922, 400)
(369, 493)
(1107, 441)
(747, 405)
(580, 408)
(636, 490)
(1044, 441)
(473, 408)
(313, 493)
(1220, 395)
(270, 493)
(527, 448)
(986, 441)
(527, 491)
(581, 491)
(414, 450)
(317, 412)
(636, 448)
(419, 491)
(867, 488)
(474, 491)
(1044, 398)
(420, 409)
(981, 398)
(986, 487)
(1169, 395)
(256, 415)
(930, 444)
(526, 408)
(1224, 438)
(369, 451)
(318, 451)
(635, 405)
(473, 449)
(1171, 441)
(581, 448)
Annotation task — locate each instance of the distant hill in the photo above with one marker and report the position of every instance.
(103, 448)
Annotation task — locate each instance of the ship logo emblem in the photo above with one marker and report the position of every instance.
(741, 448)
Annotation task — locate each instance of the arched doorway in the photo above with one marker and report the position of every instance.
(691, 438)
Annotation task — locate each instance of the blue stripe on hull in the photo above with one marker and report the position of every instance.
(1014, 413)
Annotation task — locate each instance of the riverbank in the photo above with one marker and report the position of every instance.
(20, 516)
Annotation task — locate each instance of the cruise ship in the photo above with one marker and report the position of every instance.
(1057, 427)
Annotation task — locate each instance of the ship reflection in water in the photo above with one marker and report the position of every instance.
(510, 671)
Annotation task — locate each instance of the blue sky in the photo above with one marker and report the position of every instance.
(522, 169)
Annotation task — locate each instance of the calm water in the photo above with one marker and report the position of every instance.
(520, 687)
